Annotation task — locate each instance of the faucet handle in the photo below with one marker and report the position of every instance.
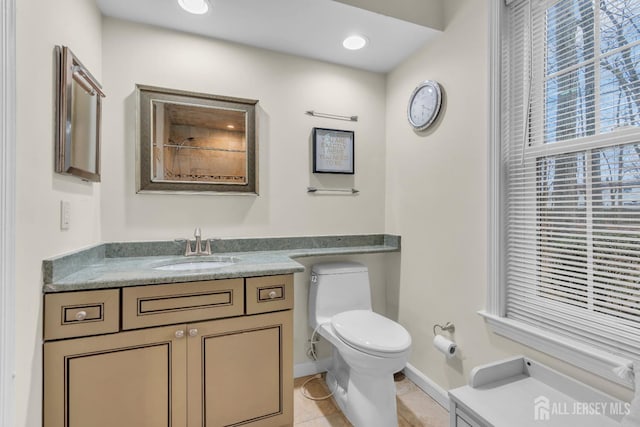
(187, 250)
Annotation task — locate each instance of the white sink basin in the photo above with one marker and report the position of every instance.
(203, 264)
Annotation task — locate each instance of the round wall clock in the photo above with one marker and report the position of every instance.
(424, 105)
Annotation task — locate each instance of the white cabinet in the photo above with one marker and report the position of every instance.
(521, 392)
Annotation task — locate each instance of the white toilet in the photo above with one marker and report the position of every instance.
(367, 347)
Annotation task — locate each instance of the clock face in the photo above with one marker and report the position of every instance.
(424, 105)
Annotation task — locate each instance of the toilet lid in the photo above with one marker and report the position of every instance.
(368, 331)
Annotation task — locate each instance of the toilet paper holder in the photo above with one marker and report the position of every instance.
(449, 327)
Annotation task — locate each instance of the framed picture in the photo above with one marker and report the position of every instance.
(333, 151)
(195, 142)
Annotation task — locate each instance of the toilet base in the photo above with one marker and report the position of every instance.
(366, 401)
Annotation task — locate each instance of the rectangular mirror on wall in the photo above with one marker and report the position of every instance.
(194, 142)
(78, 110)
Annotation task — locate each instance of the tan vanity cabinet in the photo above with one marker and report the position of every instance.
(199, 354)
(241, 371)
(133, 378)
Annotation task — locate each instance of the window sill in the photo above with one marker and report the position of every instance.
(589, 358)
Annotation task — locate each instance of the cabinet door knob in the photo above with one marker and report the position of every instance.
(193, 332)
(81, 315)
(273, 294)
(179, 333)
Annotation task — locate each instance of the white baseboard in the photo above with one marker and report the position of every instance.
(310, 368)
(427, 385)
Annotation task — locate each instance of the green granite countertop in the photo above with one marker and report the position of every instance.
(115, 265)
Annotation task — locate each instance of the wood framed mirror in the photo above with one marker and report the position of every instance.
(78, 117)
(195, 142)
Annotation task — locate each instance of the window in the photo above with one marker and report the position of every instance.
(568, 167)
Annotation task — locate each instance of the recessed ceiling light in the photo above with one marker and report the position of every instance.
(197, 7)
(355, 42)
(231, 127)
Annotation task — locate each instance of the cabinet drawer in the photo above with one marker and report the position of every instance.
(270, 293)
(465, 420)
(144, 306)
(77, 314)
(460, 422)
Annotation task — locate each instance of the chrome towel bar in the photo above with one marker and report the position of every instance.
(337, 190)
(332, 116)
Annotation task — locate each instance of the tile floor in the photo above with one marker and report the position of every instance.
(415, 408)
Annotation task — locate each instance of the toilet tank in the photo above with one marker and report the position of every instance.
(336, 287)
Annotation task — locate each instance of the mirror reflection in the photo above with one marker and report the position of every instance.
(199, 144)
(84, 123)
(78, 109)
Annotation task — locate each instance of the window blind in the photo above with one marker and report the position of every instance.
(570, 150)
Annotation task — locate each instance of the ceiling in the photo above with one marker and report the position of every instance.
(308, 28)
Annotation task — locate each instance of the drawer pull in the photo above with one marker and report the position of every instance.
(269, 293)
(193, 332)
(179, 333)
(81, 315)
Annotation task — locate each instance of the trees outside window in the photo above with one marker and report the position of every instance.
(566, 180)
(588, 201)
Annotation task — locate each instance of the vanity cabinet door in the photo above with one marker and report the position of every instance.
(128, 379)
(240, 371)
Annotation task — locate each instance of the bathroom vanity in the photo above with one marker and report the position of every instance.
(207, 353)
(135, 334)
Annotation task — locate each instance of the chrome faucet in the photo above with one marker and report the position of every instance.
(198, 235)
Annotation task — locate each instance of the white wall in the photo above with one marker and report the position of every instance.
(437, 201)
(286, 86)
(120, 54)
(40, 25)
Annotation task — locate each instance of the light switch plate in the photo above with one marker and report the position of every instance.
(65, 214)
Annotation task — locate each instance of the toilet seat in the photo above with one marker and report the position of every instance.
(371, 333)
